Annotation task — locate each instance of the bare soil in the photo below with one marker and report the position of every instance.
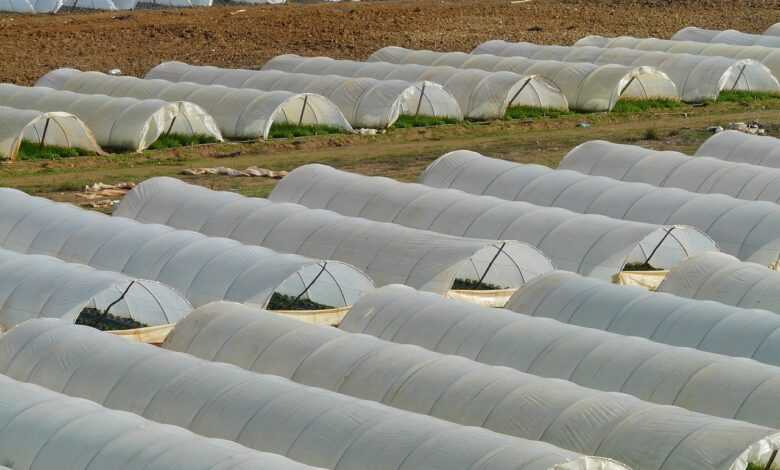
(246, 36)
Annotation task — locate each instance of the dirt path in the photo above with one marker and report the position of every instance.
(226, 36)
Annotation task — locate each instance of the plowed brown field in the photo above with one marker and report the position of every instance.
(246, 36)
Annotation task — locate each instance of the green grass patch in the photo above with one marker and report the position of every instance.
(288, 131)
(406, 121)
(640, 106)
(530, 112)
(34, 151)
(170, 141)
(746, 97)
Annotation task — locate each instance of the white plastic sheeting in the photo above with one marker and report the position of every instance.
(725, 279)
(122, 123)
(674, 170)
(773, 30)
(587, 87)
(768, 56)
(388, 253)
(57, 129)
(463, 391)
(264, 412)
(729, 36)
(480, 94)
(589, 244)
(698, 78)
(240, 114)
(203, 269)
(729, 387)
(749, 230)
(735, 146)
(35, 286)
(366, 102)
(664, 318)
(41, 429)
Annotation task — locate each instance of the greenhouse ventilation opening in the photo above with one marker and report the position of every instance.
(18, 126)
(463, 391)
(587, 87)
(698, 78)
(38, 286)
(735, 146)
(264, 412)
(480, 94)
(365, 102)
(604, 245)
(201, 268)
(239, 113)
(387, 253)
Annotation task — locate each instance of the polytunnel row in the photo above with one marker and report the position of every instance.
(725, 279)
(116, 123)
(387, 253)
(41, 429)
(201, 268)
(664, 318)
(748, 230)
(480, 94)
(713, 384)
(587, 87)
(262, 412)
(668, 169)
(34, 286)
(239, 113)
(20, 126)
(735, 146)
(589, 244)
(729, 36)
(767, 56)
(466, 392)
(697, 77)
(365, 102)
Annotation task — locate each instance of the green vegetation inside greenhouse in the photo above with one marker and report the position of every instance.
(473, 284)
(170, 141)
(640, 267)
(630, 105)
(34, 151)
(288, 131)
(531, 112)
(739, 96)
(406, 121)
(96, 318)
(287, 302)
